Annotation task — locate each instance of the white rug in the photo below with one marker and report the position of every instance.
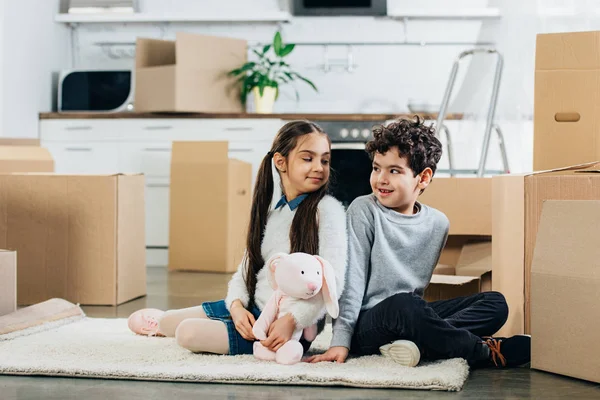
(105, 348)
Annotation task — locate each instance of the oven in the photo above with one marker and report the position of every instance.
(350, 163)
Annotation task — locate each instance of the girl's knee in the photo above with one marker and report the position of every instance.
(185, 334)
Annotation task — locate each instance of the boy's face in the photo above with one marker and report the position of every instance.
(393, 181)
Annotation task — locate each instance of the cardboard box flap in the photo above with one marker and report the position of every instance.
(154, 53)
(192, 50)
(567, 51)
(475, 259)
(452, 279)
(567, 240)
(27, 153)
(588, 165)
(200, 152)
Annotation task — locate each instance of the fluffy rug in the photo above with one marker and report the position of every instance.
(105, 348)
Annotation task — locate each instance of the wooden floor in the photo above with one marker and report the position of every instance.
(177, 290)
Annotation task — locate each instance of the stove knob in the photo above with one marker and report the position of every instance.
(365, 133)
(354, 133)
(344, 133)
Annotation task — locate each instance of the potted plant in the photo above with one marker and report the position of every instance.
(264, 76)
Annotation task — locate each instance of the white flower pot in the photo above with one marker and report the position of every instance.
(264, 104)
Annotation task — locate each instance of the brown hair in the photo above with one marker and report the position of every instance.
(413, 139)
(304, 232)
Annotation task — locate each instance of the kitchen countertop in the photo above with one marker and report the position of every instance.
(314, 117)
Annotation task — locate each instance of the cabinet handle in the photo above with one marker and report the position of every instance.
(238, 128)
(157, 149)
(157, 184)
(158, 128)
(78, 128)
(78, 149)
(241, 150)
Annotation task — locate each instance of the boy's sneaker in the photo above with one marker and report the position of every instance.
(404, 352)
(509, 352)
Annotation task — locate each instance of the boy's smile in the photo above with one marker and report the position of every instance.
(394, 183)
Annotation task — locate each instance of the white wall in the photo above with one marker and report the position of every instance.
(33, 46)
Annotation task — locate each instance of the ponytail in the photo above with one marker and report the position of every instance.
(261, 200)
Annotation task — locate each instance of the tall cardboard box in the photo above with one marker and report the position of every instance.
(565, 290)
(189, 74)
(517, 206)
(79, 237)
(210, 202)
(8, 282)
(24, 157)
(567, 99)
(467, 202)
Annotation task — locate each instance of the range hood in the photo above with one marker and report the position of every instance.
(328, 8)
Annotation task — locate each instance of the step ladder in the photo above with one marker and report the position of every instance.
(490, 124)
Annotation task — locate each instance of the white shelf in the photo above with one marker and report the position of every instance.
(144, 18)
(469, 13)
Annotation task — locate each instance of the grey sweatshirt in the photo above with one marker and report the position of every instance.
(388, 253)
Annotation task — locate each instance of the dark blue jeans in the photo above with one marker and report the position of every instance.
(441, 329)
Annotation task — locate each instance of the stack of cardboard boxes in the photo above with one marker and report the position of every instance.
(77, 237)
(545, 257)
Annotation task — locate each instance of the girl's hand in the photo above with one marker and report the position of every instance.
(280, 331)
(242, 319)
(337, 354)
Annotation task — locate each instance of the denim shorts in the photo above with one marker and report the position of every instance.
(237, 344)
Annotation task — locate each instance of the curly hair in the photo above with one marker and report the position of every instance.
(413, 139)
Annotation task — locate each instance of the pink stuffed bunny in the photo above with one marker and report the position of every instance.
(294, 277)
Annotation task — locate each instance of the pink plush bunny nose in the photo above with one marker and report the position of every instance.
(312, 286)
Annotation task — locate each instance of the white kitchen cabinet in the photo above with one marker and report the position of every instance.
(152, 159)
(157, 212)
(83, 157)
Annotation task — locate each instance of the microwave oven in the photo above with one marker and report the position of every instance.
(85, 90)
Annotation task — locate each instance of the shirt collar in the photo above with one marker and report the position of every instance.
(292, 204)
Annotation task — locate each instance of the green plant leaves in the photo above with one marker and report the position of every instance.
(287, 50)
(268, 70)
(277, 44)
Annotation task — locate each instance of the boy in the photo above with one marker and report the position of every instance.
(394, 245)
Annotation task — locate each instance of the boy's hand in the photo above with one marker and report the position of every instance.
(280, 331)
(242, 319)
(337, 354)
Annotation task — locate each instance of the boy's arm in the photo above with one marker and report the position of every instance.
(237, 286)
(360, 241)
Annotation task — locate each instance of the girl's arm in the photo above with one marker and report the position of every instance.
(333, 247)
(237, 287)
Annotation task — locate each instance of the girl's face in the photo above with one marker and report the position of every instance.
(307, 166)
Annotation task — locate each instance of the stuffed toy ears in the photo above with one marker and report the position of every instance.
(329, 289)
(272, 264)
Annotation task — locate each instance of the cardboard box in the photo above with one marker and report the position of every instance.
(19, 142)
(565, 290)
(79, 237)
(189, 74)
(467, 202)
(8, 282)
(517, 206)
(210, 201)
(465, 269)
(24, 158)
(566, 121)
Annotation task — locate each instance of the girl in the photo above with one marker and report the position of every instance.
(305, 220)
